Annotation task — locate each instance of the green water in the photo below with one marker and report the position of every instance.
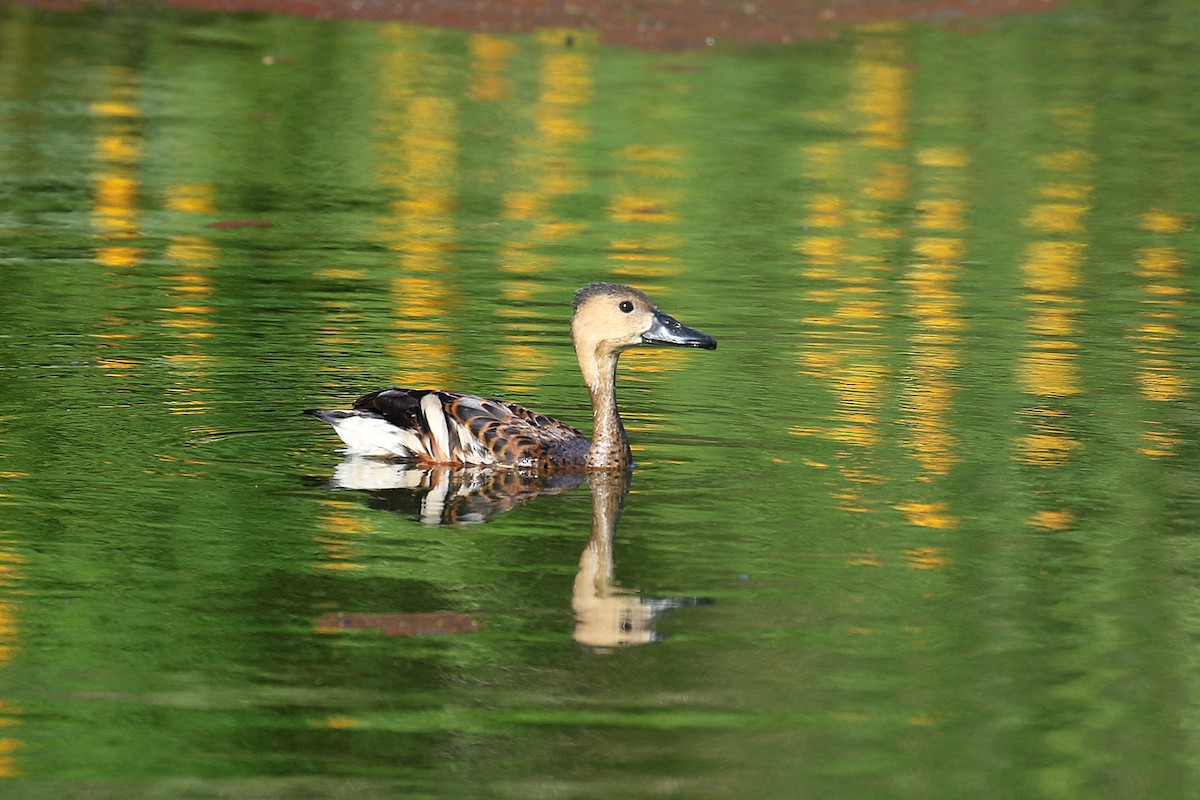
(931, 507)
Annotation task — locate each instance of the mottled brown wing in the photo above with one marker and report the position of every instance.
(516, 435)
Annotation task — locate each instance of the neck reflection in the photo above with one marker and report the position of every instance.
(607, 615)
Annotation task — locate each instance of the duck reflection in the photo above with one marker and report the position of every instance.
(446, 495)
(607, 615)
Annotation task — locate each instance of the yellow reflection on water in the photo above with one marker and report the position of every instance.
(115, 208)
(935, 304)
(843, 261)
(489, 67)
(524, 363)
(566, 75)
(1057, 217)
(1161, 220)
(1160, 347)
(341, 527)
(191, 198)
(1052, 519)
(546, 167)
(942, 214)
(929, 515)
(116, 150)
(417, 151)
(188, 315)
(643, 204)
(882, 83)
(1052, 273)
(646, 196)
(931, 558)
(423, 346)
(646, 207)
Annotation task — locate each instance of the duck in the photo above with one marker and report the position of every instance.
(437, 427)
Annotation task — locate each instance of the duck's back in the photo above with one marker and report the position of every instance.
(453, 428)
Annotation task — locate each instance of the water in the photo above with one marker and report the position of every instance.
(923, 526)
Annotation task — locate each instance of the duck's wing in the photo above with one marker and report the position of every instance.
(453, 428)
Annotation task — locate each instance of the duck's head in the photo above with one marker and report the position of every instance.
(611, 317)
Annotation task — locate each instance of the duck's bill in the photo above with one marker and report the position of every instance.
(668, 330)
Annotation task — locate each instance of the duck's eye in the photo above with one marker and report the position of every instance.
(626, 306)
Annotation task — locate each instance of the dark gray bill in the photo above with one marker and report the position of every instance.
(668, 330)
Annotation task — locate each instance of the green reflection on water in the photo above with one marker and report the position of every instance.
(939, 479)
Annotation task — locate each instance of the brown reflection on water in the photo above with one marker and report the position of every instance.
(845, 260)
(12, 568)
(655, 25)
(12, 563)
(1051, 274)
(428, 623)
(1159, 341)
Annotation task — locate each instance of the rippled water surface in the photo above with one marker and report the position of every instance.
(924, 526)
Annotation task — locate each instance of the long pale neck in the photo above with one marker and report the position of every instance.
(610, 445)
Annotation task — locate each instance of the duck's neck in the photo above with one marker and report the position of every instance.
(610, 445)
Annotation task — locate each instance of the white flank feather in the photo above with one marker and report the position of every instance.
(435, 418)
(369, 435)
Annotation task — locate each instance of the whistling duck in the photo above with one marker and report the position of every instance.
(436, 427)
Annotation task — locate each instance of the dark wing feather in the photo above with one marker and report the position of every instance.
(401, 407)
